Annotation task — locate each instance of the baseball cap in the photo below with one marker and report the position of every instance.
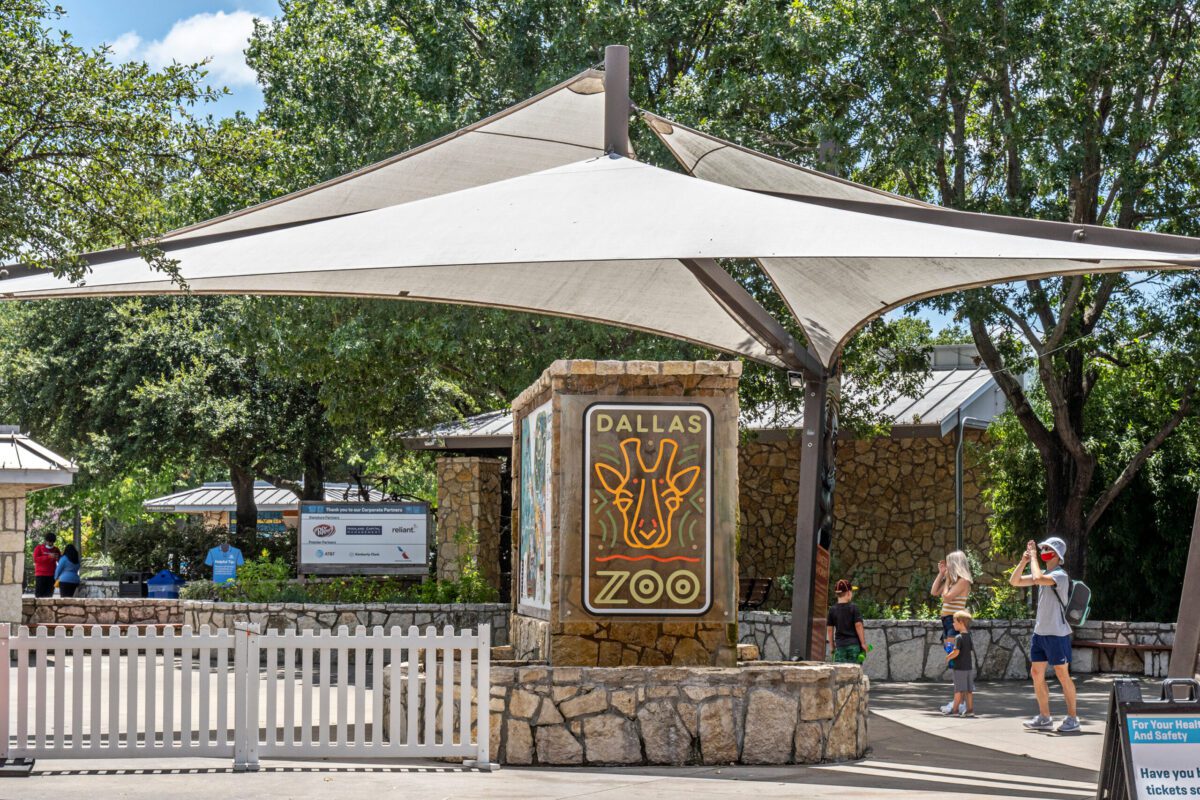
(1057, 545)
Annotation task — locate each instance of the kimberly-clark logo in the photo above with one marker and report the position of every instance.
(323, 531)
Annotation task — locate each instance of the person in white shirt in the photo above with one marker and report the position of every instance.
(1051, 643)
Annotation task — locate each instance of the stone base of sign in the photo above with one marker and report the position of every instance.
(468, 517)
(760, 714)
(615, 640)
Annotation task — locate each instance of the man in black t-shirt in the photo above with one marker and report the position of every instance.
(847, 639)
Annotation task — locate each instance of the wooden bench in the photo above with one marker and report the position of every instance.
(752, 592)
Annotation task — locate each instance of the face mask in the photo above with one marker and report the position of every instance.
(1048, 556)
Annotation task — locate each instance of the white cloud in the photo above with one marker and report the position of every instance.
(221, 38)
(126, 46)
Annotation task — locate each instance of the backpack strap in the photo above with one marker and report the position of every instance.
(1062, 607)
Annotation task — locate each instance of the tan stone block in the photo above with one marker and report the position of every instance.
(629, 657)
(698, 693)
(770, 728)
(523, 704)
(610, 654)
(556, 745)
(678, 368)
(809, 743)
(568, 675)
(685, 630)
(665, 644)
(718, 737)
(625, 701)
(590, 703)
(652, 658)
(560, 693)
(689, 653)
(495, 735)
(548, 715)
(583, 367)
(642, 634)
(532, 675)
(573, 651)
(666, 738)
(610, 367)
(611, 739)
(642, 368)
(518, 743)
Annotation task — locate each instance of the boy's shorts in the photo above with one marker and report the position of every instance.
(847, 655)
(1054, 650)
(964, 680)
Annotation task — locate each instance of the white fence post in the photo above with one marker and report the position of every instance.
(245, 697)
(4, 703)
(483, 702)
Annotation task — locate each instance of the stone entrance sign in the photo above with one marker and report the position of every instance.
(631, 476)
(647, 527)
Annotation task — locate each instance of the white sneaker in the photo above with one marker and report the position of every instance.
(948, 709)
(1040, 723)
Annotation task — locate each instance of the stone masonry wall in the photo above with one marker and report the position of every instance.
(279, 616)
(893, 512)
(304, 616)
(12, 551)
(468, 505)
(911, 650)
(754, 714)
(75, 610)
(611, 644)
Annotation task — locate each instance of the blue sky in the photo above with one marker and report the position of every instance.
(182, 30)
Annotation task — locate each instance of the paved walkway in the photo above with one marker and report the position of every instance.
(1000, 707)
(916, 753)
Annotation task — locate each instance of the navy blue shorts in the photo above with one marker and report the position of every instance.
(948, 631)
(1054, 650)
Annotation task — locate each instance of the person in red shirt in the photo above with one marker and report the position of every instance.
(45, 559)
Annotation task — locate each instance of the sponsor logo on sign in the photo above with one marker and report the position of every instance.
(323, 530)
(364, 530)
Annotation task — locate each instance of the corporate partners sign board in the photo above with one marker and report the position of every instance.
(364, 538)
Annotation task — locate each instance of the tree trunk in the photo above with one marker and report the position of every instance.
(314, 475)
(247, 510)
(1066, 492)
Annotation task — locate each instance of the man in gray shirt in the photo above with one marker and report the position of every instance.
(1051, 634)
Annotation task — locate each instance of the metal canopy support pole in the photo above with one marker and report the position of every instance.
(617, 105)
(814, 521)
(1186, 649)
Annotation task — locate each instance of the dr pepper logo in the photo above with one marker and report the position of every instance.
(323, 530)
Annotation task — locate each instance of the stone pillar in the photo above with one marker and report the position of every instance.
(624, 514)
(12, 551)
(468, 516)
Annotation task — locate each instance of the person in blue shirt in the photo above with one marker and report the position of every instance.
(66, 574)
(224, 560)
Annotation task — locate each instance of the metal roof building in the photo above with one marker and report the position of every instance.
(957, 390)
(24, 461)
(218, 496)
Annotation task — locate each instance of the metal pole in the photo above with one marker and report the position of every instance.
(810, 577)
(1186, 649)
(616, 100)
(959, 513)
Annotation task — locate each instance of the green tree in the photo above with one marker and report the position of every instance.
(88, 148)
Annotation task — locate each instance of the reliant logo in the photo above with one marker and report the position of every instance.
(322, 531)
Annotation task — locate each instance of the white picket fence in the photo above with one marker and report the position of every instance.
(246, 694)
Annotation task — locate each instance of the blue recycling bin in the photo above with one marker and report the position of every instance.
(165, 585)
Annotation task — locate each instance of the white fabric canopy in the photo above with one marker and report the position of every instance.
(520, 212)
(834, 290)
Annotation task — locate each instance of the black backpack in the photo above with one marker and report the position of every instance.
(1078, 605)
